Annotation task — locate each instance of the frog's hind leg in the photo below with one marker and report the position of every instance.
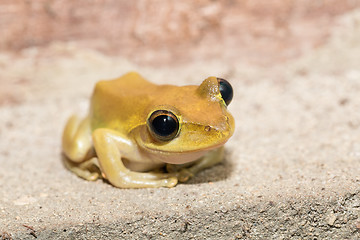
(88, 170)
(79, 155)
(76, 140)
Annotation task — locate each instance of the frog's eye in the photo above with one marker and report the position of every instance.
(164, 125)
(226, 90)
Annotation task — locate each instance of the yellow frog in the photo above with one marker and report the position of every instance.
(140, 135)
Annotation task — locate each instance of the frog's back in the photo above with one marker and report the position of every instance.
(131, 84)
(118, 104)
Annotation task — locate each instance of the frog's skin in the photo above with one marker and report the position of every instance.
(115, 141)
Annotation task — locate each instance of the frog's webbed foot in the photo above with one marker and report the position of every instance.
(181, 172)
(184, 175)
(150, 179)
(88, 170)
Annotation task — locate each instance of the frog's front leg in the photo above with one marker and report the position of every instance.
(109, 146)
(210, 159)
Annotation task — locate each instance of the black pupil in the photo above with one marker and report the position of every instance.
(164, 125)
(226, 90)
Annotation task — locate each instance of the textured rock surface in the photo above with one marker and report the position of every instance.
(291, 169)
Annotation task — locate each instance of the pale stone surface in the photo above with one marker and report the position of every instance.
(291, 169)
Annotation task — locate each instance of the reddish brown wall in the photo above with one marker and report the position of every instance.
(160, 31)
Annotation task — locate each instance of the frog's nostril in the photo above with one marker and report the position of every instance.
(207, 128)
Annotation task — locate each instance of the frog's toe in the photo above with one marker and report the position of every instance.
(93, 176)
(184, 175)
(171, 182)
(87, 175)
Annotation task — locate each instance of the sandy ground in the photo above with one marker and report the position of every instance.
(291, 168)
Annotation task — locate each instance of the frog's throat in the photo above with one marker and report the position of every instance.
(205, 149)
(177, 157)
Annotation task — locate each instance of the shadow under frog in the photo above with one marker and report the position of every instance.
(219, 172)
(138, 134)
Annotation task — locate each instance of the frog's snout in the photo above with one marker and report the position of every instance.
(225, 127)
(227, 124)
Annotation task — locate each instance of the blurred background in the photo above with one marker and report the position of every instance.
(55, 48)
(173, 32)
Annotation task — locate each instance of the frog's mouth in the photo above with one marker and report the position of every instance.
(176, 156)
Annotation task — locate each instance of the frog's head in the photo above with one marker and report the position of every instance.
(184, 123)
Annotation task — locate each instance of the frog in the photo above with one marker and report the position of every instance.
(138, 134)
